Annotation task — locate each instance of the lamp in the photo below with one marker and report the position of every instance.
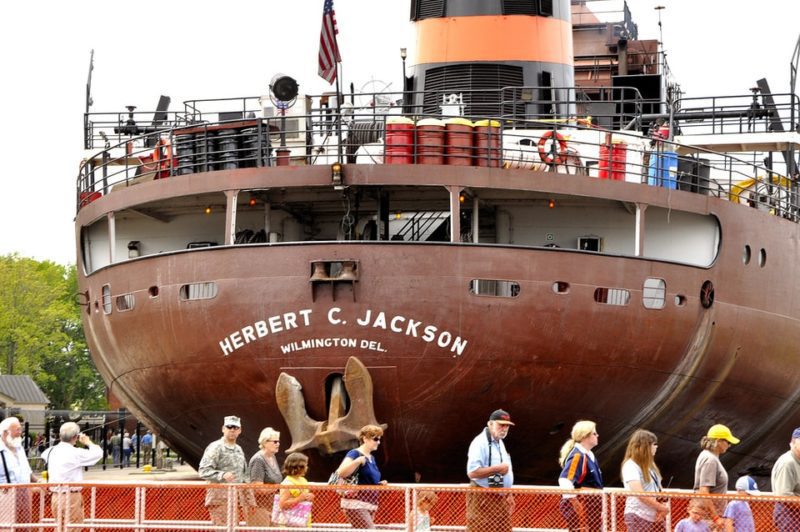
(403, 55)
(283, 90)
(283, 93)
(336, 176)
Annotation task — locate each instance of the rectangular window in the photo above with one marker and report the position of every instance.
(125, 302)
(612, 296)
(189, 292)
(654, 293)
(493, 287)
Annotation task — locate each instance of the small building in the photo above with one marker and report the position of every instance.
(21, 397)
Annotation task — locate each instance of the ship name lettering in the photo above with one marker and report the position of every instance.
(331, 318)
(273, 324)
(430, 333)
(320, 342)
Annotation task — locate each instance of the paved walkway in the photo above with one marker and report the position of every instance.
(180, 473)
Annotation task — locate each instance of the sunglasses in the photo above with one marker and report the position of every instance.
(274, 441)
(376, 438)
(232, 427)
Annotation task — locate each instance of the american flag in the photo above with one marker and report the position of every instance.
(328, 47)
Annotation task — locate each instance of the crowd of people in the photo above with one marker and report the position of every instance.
(224, 462)
(489, 465)
(639, 473)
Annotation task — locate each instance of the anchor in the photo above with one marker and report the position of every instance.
(340, 431)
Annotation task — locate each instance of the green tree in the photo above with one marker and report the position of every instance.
(41, 333)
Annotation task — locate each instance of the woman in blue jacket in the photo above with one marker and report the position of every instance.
(579, 469)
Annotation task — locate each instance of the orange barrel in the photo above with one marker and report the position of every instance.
(458, 141)
(430, 141)
(399, 140)
(487, 143)
(618, 158)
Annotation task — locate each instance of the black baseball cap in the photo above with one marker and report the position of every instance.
(501, 416)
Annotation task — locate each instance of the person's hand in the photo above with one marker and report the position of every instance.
(502, 469)
(84, 439)
(383, 482)
(307, 496)
(228, 477)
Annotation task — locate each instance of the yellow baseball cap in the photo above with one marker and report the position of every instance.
(721, 432)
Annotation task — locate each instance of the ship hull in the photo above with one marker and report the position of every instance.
(441, 358)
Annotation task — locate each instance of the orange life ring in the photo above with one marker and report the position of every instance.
(546, 155)
(162, 156)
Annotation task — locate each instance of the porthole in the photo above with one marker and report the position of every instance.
(707, 294)
(762, 257)
(153, 291)
(746, 254)
(493, 287)
(106, 299)
(561, 287)
(680, 300)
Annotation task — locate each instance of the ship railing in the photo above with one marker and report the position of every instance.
(724, 115)
(570, 145)
(233, 507)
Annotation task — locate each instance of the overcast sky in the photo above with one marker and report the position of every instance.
(197, 50)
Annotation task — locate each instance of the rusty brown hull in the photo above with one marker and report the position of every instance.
(548, 358)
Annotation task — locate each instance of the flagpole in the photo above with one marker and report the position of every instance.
(338, 114)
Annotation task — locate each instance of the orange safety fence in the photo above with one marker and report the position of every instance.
(168, 506)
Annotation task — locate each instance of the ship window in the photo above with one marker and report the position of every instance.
(546, 8)
(612, 296)
(193, 291)
(762, 257)
(680, 300)
(106, 299)
(493, 287)
(560, 287)
(421, 9)
(654, 293)
(746, 254)
(519, 7)
(125, 302)
(153, 291)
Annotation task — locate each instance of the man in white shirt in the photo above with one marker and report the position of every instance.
(65, 464)
(15, 468)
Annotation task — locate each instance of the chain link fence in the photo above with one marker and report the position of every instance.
(195, 506)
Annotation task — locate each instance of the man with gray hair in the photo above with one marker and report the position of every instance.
(65, 463)
(16, 469)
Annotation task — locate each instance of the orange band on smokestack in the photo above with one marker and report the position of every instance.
(494, 38)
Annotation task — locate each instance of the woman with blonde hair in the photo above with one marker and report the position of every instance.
(640, 473)
(264, 468)
(360, 505)
(579, 469)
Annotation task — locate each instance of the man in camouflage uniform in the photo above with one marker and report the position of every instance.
(224, 462)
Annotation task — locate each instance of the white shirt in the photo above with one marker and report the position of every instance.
(18, 467)
(65, 462)
(634, 505)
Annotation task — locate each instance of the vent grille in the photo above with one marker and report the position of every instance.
(422, 9)
(519, 7)
(479, 85)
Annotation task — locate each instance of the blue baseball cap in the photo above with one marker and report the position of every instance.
(747, 484)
